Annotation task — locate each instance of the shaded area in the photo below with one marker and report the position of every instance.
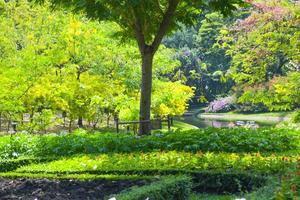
(62, 190)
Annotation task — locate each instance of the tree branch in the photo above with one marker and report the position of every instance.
(163, 28)
(159, 8)
(138, 31)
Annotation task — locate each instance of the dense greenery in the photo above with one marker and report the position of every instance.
(214, 140)
(203, 63)
(252, 56)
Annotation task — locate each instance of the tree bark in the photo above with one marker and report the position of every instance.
(147, 54)
(146, 88)
(80, 122)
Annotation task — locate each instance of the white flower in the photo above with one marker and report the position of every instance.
(15, 154)
(113, 198)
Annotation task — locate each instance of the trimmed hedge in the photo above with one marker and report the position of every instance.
(82, 176)
(216, 140)
(227, 182)
(13, 164)
(170, 187)
(107, 163)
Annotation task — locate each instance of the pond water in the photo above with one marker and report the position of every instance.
(204, 123)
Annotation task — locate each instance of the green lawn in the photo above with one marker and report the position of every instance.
(177, 125)
(182, 126)
(263, 117)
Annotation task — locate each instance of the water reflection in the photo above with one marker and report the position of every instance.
(204, 123)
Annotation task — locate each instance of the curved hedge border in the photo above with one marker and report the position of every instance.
(13, 164)
(170, 187)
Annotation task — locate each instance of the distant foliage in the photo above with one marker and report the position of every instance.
(279, 94)
(264, 48)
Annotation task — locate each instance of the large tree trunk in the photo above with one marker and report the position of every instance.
(147, 53)
(146, 88)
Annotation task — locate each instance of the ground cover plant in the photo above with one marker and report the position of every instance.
(264, 140)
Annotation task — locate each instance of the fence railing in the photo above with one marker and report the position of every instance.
(155, 123)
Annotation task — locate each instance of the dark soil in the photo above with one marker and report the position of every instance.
(44, 189)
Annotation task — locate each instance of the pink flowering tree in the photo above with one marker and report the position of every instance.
(264, 47)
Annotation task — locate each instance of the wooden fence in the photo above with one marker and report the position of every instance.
(155, 123)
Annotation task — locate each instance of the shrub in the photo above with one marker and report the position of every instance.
(290, 184)
(227, 182)
(246, 107)
(170, 187)
(10, 165)
(289, 125)
(296, 117)
(16, 146)
(221, 105)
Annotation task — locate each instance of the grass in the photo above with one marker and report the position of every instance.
(179, 125)
(260, 117)
(268, 114)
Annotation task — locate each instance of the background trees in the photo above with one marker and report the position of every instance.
(248, 56)
(203, 63)
(265, 55)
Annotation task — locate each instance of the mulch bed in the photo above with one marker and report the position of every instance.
(44, 189)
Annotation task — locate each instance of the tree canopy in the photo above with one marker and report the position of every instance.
(147, 22)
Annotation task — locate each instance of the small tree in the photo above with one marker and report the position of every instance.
(147, 21)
